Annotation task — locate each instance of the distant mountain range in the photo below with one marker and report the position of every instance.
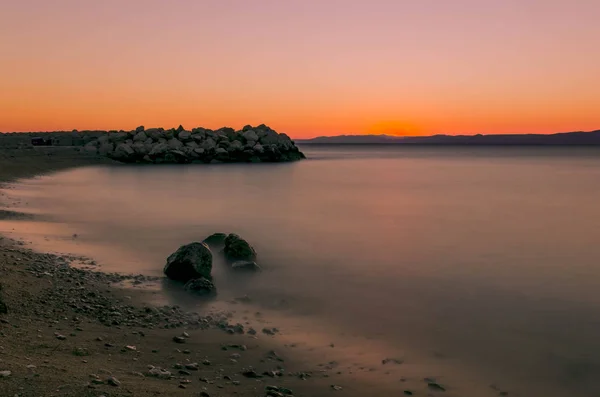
(563, 138)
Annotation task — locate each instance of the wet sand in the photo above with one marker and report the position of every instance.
(76, 332)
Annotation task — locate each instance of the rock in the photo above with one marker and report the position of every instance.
(201, 286)
(184, 136)
(435, 386)
(250, 135)
(117, 137)
(5, 374)
(123, 151)
(209, 144)
(215, 239)
(192, 366)
(140, 137)
(155, 133)
(191, 261)
(249, 266)
(250, 373)
(90, 147)
(178, 339)
(408, 393)
(269, 331)
(159, 373)
(61, 337)
(336, 388)
(235, 146)
(237, 249)
(277, 389)
(159, 149)
(175, 144)
(140, 148)
(113, 381)
(3, 307)
(106, 149)
(140, 128)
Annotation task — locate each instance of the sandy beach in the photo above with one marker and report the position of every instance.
(73, 332)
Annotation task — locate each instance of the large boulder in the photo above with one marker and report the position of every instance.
(209, 144)
(175, 144)
(184, 136)
(123, 152)
(155, 133)
(238, 249)
(140, 137)
(235, 146)
(250, 135)
(117, 137)
(189, 262)
(201, 286)
(159, 149)
(106, 149)
(215, 240)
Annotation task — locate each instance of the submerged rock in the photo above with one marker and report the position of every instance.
(201, 286)
(216, 240)
(238, 249)
(191, 261)
(249, 266)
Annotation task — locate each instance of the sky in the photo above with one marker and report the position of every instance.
(304, 67)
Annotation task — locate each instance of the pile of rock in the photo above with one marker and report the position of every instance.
(200, 145)
(192, 263)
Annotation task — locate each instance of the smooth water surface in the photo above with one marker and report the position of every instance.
(485, 256)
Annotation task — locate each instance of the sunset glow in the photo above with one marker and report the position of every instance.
(305, 67)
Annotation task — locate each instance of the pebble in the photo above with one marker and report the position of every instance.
(250, 373)
(159, 373)
(5, 374)
(113, 381)
(336, 388)
(179, 339)
(61, 337)
(192, 366)
(435, 386)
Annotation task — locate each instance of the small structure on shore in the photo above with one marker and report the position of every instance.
(39, 141)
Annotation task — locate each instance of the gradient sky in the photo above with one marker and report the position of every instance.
(305, 67)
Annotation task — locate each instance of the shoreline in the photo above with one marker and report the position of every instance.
(74, 332)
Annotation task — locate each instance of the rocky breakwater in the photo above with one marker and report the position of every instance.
(200, 145)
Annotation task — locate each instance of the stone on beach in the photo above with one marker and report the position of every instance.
(238, 249)
(191, 261)
(201, 286)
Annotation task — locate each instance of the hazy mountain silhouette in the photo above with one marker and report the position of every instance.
(563, 138)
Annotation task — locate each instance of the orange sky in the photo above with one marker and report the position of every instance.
(305, 67)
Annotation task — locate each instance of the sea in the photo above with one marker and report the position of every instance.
(479, 266)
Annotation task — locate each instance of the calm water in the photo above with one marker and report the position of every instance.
(489, 258)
